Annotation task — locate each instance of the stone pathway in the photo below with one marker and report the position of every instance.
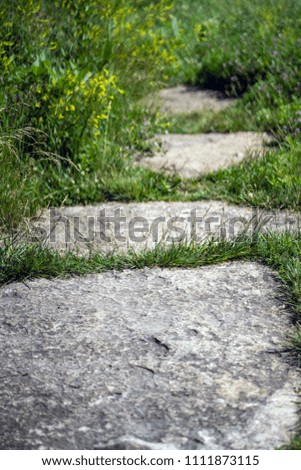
(153, 358)
(114, 226)
(192, 155)
(187, 99)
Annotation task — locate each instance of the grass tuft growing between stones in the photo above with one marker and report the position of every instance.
(282, 252)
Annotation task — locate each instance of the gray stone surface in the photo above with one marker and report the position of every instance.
(188, 99)
(152, 359)
(193, 155)
(144, 225)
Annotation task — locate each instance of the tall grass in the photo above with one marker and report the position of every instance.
(76, 70)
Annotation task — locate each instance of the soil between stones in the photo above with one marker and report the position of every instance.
(152, 359)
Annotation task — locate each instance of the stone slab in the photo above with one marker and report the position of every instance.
(191, 156)
(189, 99)
(111, 227)
(151, 359)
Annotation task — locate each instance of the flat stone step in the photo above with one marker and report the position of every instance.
(117, 227)
(194, 155)
(189, 99)
(151, 359)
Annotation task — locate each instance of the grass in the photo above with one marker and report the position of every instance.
(235, 118)
(281, 252)
(90, 112)
(271, 181)
(246, 49)
(295, 444)
(23, 262)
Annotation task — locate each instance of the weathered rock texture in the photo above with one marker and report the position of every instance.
(153, 359)
(114, 226)
(193, 155)
(188, 99)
